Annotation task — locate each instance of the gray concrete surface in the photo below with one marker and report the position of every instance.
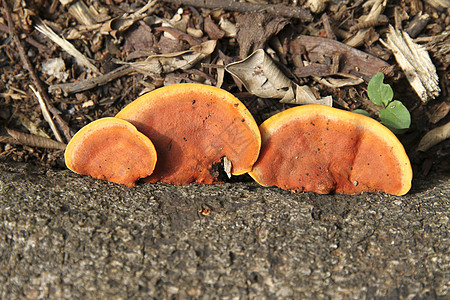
(68, 236)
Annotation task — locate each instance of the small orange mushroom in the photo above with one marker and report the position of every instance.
(323, 149)
(193, 127)
(111, 149)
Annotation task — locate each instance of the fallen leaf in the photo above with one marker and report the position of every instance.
(166, 63)
(212, 30)
(434, 137)
(228, 27)
(261, 77)
(255, 29)
(140, 42)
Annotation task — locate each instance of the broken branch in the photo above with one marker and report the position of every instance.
(229, 5)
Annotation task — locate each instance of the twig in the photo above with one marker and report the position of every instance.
(68, 47)
(46, 115)
(382, 20)
(230, 5)
(26, 62)
(143, 9)
(376, 10)
(87, 84)
(42, 48)
(20, 138)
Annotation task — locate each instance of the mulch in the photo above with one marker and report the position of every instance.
(115, 35)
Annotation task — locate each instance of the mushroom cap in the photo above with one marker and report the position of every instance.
(193, 127)
(111, 149)
(323, 149)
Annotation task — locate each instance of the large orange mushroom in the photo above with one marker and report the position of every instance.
(194, 127)
(323, 149)
(111, 149)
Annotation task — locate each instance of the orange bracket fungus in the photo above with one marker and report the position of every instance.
(111, 149)
(194, 127)
(323, 149)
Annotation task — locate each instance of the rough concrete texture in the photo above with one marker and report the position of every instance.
(68, 236)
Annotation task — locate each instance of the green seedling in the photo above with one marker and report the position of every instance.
(394, 115)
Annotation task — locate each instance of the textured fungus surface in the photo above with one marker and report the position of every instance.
(111, 149)
(194, 127)
(323, 149)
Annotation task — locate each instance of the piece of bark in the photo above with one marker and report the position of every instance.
(352, 61)
(327, 26)
(82, 13)
(440, 5)
(417, 24)
(313, 69)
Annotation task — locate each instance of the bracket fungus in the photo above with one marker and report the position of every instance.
(194, 127)
(111, 149)
(323, 149)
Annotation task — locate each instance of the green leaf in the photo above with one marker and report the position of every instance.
(395, 116)
(361, 112)
(379, 92)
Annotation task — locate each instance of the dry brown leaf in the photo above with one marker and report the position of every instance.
(347, 80)
(212, 30)
(261, 77)
(140, 42)
(228, 27)
(122, 23)
(255, 29)
(166, 63)
(434, 137)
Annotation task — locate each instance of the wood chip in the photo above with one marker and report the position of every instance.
(415, 63)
